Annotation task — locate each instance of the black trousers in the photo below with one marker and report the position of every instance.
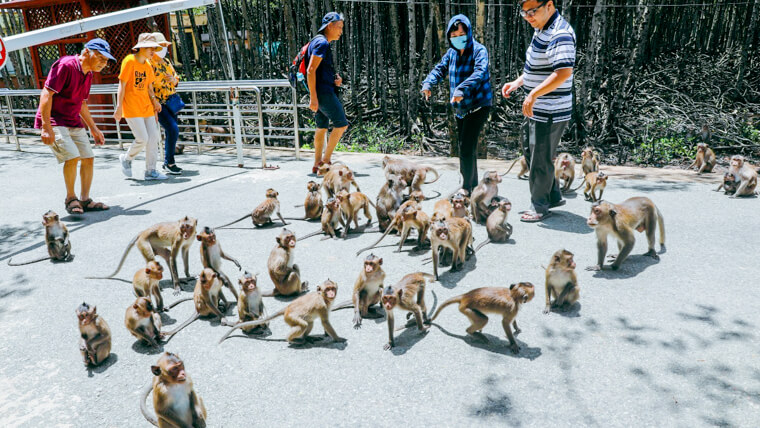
(539, 142)
(469, 130)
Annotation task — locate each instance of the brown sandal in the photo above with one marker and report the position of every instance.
(73, 206)
(89, 205)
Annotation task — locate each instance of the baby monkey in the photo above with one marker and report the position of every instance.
(262, 214)
(729, 185)
(95, 344)
(564, 170)
(56, 240)
(561, 281)
(144, 322)
(250, 303)
(745, 175)
(174, 398)
(409, 295)
(146, 283)
(475, 304)
(593, 181)
(368, 289)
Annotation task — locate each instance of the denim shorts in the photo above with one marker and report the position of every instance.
(330, 110)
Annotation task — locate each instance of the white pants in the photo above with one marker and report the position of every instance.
(147, 135)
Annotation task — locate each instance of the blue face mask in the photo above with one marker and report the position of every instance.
(459, 42)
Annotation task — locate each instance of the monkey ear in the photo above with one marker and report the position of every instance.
(147, 270)
(511, 286)
(198, 237)
(319, 288)
(380, 261)
(134, 305)
(613, 213)
(340, 173)
(156, 370)
(400, 292)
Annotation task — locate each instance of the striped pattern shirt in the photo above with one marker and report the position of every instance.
(551, 49)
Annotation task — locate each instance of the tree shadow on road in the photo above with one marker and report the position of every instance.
(495, 404)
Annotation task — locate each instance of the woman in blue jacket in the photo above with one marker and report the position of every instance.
(466, 64)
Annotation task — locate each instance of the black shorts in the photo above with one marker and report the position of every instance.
(330, 110)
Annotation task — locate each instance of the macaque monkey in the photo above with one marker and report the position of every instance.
(705, 160)
(331, 220)
(744, 174)
(594, 181)
(564, 169)
(397, 223)
(460, 202)
(313, 203)
(482, 195)
(442, 210)
(220, 134)
(389, 199)
(165, 240)
(283, 271)
(403, 295)
(95, 343)
(497, 227)
(523, 174)
(174, 399)
(368, 289)
(207, 297)
(589, 160)
(56, 240)
(454, 234)
(338, 178)
(324, 168)
(250, 303)
(475, 304)
(301, 313)
(350, 205)
(144, 322)
(729, 184)
(414, 218)
(262, 214)
(620, 220)
(561, 281)
(145, 283)
(212, 255)
(412, 172)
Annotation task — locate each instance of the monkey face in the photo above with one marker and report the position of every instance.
(49, 218)
(187, 227)
(701, 147)
(328, 289)
(587, 153)
(170, 368)
(598, 213)
(143, 307)
(207, 277)
(154, 270)
(563, 259)
(737, 161)
(389, 302)
(312, 186)
(372, 263)
(86, 314)
(271, 193)
(601, 178)
(505, 206)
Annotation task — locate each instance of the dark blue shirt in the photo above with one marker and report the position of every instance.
(320, 47)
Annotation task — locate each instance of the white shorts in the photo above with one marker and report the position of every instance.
(71, 143)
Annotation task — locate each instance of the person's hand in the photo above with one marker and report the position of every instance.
(156, 106)
(338, 80)
(47, 134)
(455, 100)
(98, 136)
(527, 107)
(426, 93)
(313, 104)
(117, 115)
(508, 88)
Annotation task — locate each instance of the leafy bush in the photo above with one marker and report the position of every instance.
(663, 150)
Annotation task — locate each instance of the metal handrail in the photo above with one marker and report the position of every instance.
(235, 112)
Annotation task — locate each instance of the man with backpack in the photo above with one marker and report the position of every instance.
(323, 85)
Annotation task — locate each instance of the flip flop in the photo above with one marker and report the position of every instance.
(535, 217)
(89, 205)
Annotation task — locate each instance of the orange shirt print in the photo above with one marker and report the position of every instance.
(136, 78)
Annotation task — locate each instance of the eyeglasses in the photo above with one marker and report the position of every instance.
(532, 12)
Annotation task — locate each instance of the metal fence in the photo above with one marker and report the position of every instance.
(217, 114)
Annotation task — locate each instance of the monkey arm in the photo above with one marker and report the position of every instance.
(740, 191)
(391, 343)
(185, 257)
(626, 235)
(324, 315)
(230, 258)
(548, 289)
(199, 418)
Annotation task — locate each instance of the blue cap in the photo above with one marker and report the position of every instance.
(330, 17)
(101, 46)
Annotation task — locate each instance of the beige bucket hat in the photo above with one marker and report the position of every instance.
(161, 40)
(147, 40)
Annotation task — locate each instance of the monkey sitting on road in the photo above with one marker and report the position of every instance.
(497, 227)
(745, 175)
(561, 281)
(56, 240)
(705, 160)
(620, 220)
(564, 169)
(212, 255)
(475, 304)
(283, 271)
(207, 297)
(350, 205)
(174, 399)
(389, 199)
(95, 344)
(145, 283)
(729, 185)
(409, 295)
(301, 313)
(262, 214)
(143, 322)
(368, 289)
(454, 234)
(313, 204)
(250, 303)
(486, 190)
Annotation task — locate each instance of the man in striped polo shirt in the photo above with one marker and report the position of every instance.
(548, 83)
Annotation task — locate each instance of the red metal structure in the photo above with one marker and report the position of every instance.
(45, 13)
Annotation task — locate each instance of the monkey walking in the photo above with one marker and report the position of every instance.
(497, 227)
(475, 304)
(212, 255)
(523, 174)
(300, 315)
(564, 170)
(262, 214)
(95, 342)
(350, 205)
(705, 159)
(174, 398)
(593, 181)
(165, 240)
(486, 190)
(409, 215)
(561, 281)
(403, 295)
(206, 296)
(620, 220)
(56, 241)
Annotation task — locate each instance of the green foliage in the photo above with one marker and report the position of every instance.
(751, 133)
(371, 138)
(663, 150)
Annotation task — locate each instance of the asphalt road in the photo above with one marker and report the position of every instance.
(668, 343)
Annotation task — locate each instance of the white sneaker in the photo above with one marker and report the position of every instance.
(126, 165)
(154, 175)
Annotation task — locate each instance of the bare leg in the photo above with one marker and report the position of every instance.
(85, 173)
(335, 136)
(70, 176)
(319, 144)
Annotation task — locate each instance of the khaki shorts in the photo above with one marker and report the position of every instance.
(71, 143)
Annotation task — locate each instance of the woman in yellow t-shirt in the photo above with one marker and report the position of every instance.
(138, 104)
(164, 87)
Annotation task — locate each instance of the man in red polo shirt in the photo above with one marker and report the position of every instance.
(63, 115)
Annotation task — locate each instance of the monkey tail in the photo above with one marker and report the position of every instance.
(121, 263)
(179, 301)
(661, 225)
(252, 323)
(169, 335)
(427, 198)
(144, 408)
(238, 220)
(318, 232)
(581, 185)
(437, 176)
(10, 263)
(387, 231)
(511, 166)
(482, 244)
(343, 305)
(451, 301)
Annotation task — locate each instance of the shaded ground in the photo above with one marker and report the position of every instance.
(655, 344)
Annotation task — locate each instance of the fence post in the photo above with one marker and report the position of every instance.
(13, 122)
(238, 126)
(118, 126)
(5, 131)
(198, 137)
(296, 125)
(261, 126)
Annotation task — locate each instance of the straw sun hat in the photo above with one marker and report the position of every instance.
(148, 40)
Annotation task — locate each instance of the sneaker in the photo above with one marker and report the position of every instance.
(172, 169)
(154, 175)
(126, 165)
